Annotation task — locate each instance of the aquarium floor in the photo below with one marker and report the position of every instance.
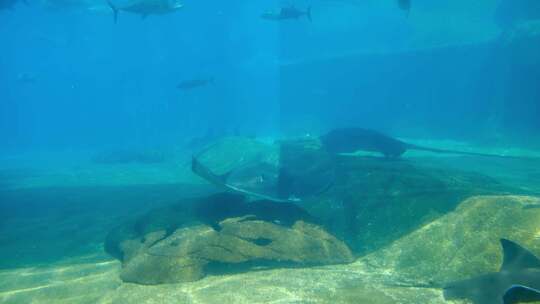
(55, 213)
(97, 282)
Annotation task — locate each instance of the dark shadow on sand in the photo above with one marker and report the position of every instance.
(47, 225)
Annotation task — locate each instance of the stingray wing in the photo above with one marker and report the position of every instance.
(221, 182)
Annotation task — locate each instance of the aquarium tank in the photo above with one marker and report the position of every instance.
(291, 151)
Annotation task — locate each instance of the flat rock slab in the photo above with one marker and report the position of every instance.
(368, 193)
(464, 243)
(351, 283)
(220, 233)
(191, 253)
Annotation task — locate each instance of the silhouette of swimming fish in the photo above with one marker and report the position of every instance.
(194, 83)
(405, 5)
(286, 13)
(348, 140)
(144, 8)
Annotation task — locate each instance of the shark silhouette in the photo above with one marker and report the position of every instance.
(144, 8)
(518, 280)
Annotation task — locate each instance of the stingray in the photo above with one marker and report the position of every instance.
(518, 280)
(348, 140)
(267, 181)
(261, 183)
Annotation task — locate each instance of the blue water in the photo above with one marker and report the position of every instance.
(94, 131)
(93, 82)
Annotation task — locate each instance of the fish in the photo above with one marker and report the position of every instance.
(405, 5)
(194, 83)
(221, 181)
(286, 13)
(144, 8)
(26, 78)
(348, 140)
(517, 281)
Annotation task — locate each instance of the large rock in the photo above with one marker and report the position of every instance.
(369, 193)
(242, 243)
(220, 233)
(464, 243)
(356, 196)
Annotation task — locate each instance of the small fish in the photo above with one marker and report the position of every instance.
(286, 13)
(405, 5)
(144, 8)
(194, 83)
(26, 78)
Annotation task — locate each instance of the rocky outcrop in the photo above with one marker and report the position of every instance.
(464, 243)
(242, 243)
(369, 193)
(221, 233)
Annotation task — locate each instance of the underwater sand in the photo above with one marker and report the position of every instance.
(97, 282)
(57, 216)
